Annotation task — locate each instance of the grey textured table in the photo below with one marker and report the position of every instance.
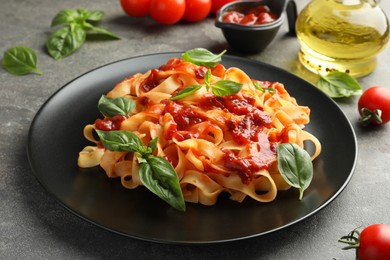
(34, 226)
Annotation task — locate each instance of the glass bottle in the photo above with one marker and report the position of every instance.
(343, 35)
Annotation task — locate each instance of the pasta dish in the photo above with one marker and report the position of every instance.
(218, 128)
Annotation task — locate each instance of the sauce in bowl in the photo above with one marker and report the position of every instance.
(255, 16)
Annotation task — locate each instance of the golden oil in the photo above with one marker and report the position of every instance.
(343, 35)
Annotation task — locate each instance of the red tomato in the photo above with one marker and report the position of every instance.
(197, 10)
(217, 4)
(374, 106)
(373, 243)
(167, 11)
(136, 8)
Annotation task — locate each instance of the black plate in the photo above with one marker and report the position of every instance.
(56, 137)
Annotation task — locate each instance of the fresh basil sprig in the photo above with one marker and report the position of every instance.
(76, 23)
(65, 41)
(220, 88)
(295, 166)
(226, 88)
(258, 86)
(20, 60)
(115, 106)
(337, 84)
(156, 173)
(186, 92)
(202, 57)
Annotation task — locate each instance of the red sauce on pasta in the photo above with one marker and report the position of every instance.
(245, 167)
(151, 82)
(109, 123)
(249, 129)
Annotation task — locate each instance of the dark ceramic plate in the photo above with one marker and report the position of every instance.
(56, 137)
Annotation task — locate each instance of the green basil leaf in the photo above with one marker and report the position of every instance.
(226, 87)
(122, 141)
(66, 16)
(65, 41)
(202, 57)
(186, 92)
(153, 144)
(95, 16)
(258, 86)
(90, 27)
(83, 14)
(20, 60)
(338, 84)
(160, 177)
(207, 79)
(295, 166)
(115, 106)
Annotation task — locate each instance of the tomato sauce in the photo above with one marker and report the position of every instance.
(150, 82)
(245, 167)
(250, 128)
(248, 125)
(109, 123)
(255, 16)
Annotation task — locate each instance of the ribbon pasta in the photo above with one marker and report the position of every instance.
(215, 144)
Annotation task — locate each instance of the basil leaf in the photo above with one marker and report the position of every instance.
(115, 106)
(226, 87)
(65, 41)
(160, 177)
(258, 86)
(338, 84)
(202, 57)
(295, 166)
(153, 144)
(95, 16)
(83, 14)
(20, 60)
(100, 30)
(207, 79)
(122, 141)
(66, 16)
(186, 92)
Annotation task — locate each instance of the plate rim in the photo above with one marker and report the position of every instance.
(164, 241)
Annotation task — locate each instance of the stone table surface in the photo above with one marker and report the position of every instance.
(34, 226)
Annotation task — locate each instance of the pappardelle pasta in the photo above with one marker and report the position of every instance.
(218, 129)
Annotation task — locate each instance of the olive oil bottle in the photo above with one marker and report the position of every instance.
(343, 35)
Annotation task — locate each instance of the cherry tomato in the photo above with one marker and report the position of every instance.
(374, 106)
(217, 4)
(375, 242)
(167, 11)
(137, 8)
(197, 10)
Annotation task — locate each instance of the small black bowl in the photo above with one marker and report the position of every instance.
(255, 38)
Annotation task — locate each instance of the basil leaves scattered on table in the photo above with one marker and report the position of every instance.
(20, 60)
(295, 166)
(76, 23)
(337, 84)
